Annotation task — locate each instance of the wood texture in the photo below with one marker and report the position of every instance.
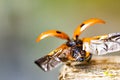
(100, 68)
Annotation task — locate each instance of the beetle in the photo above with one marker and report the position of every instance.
(75, 49)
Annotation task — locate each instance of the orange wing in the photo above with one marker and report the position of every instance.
(100, 45)
(55, 33)
(51, 60)
(85, 25)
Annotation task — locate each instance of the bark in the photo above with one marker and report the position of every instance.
(99, 68)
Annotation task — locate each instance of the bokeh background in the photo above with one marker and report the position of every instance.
(21, 21)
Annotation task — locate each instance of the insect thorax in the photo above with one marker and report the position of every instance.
(76, 50)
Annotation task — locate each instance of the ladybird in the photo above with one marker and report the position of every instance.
(75, 49)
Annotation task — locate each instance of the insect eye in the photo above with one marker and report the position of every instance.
(70, 43)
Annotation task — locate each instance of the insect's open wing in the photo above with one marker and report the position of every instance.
(100, 45)
(85, 25)
(51, 60)
(55, 33)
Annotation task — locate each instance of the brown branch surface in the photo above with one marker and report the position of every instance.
(100, 68)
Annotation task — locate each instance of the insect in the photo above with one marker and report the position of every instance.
(76, 49)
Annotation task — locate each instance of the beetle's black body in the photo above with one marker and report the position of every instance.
(76, 50)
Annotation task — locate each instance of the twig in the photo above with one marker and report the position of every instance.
(100, 68)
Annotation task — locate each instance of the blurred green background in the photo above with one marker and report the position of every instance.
(21, 21)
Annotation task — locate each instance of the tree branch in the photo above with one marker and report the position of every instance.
(99, 68)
